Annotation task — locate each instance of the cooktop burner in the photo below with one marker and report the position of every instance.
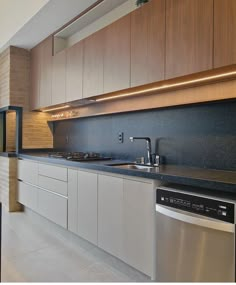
(78, 156)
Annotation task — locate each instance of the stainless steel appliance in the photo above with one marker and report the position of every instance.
(195, 236)
(78, 156)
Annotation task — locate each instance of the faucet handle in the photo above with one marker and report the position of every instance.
(156, 159)
(140, 160)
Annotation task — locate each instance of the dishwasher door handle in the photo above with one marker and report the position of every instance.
(195, 219)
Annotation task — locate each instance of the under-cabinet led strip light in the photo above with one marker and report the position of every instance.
(166, 86)
(56, 108)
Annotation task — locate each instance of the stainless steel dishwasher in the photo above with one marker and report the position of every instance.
(195, 237)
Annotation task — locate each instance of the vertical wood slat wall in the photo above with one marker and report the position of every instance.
(15, 91)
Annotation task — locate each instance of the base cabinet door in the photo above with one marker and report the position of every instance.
(110, 214)
(53, 207)
(87, 206)
(28, 195)
(139, 224)
(73, 200)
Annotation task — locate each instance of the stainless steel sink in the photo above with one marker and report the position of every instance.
(133, 166)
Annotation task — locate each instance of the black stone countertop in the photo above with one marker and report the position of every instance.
(8, 154)
(198, 177)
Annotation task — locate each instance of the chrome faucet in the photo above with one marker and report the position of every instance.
(149, 147)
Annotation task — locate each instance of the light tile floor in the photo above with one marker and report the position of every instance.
(35, 250)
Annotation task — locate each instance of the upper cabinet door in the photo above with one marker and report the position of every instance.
(59, 78)
(189, 36)
(224, 32)
(74, 72)
(93, 64)
(148, 43)
(117, 55)
(35, 77)
(46, 73)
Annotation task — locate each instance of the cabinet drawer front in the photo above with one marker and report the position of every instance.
(28, 171)
(27, 195)
(52, 207)
(52, 171)
(53, 185)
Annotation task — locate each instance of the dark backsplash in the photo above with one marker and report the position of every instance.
(200, 135)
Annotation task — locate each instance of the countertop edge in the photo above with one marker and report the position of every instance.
(164, 177)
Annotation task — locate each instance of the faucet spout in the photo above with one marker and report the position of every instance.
(149, 147)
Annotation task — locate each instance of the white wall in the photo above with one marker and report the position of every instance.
(14, 14)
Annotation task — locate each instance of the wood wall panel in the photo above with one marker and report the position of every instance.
(19, 77)
(8, 185)
(4, 78)
(15, 91)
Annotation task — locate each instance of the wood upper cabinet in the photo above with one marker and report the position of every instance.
(224, 32)
(189, 36)
(35, 77)
(46, 73)
(41, 74)
(74, 72)
(148, 43)
(59, 78)
(93, 64)
(117, 55)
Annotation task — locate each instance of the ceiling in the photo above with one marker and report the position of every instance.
(44, 20)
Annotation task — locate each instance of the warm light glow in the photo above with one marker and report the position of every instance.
(167, 86)
(56, 108)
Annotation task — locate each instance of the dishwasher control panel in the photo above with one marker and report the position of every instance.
(211, 208)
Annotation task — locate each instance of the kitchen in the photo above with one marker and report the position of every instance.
(118, 146)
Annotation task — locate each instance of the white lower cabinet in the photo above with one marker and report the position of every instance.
(87, 206)
(28, 195)
(73, 200)
(139, 225)
(117, 213)
(28, 171)
(110, 214)
(53, 207)
(126, 221)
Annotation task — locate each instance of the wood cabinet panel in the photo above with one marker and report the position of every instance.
(110, 214)
(93, 64)
(87, 206)
(139, 225)
(59, 78)
(46, 73)
(224, 32)
(189, 36)
(74, 72)
(117, 55)
(148, 43)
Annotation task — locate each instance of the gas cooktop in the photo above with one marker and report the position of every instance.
(78, 156)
